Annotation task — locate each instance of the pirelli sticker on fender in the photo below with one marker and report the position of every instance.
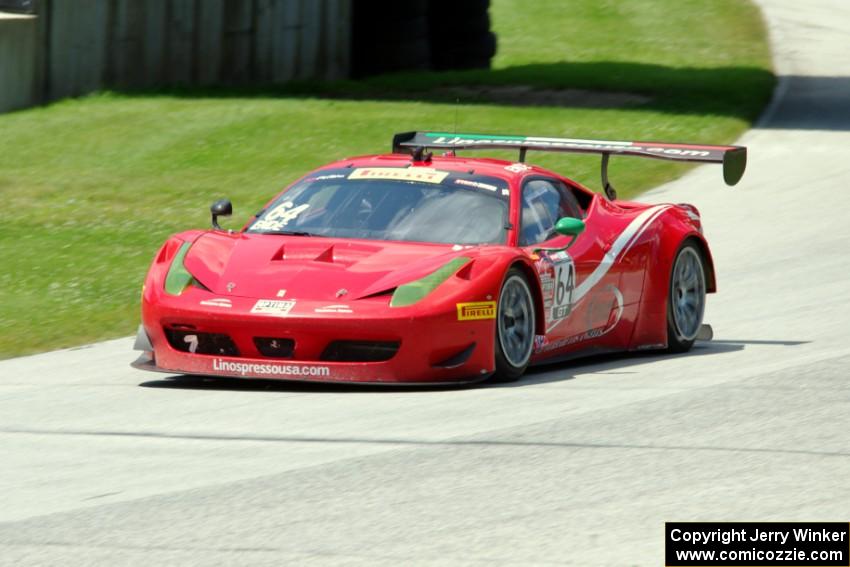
(476, 310)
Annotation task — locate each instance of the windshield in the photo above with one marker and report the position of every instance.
(410, 204)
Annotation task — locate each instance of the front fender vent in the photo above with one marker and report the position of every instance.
(456, 359)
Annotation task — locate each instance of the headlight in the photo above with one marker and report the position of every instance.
(179, 278)
(410, 293)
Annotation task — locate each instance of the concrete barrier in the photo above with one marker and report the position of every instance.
(73, 47)
(19, 61)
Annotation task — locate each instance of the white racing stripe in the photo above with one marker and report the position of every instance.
(621, 245)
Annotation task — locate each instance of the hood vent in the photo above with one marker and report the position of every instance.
(465, 273)
(326, 256)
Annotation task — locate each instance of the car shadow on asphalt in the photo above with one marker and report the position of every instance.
(190, 382)
(619, 363)
(601, 364)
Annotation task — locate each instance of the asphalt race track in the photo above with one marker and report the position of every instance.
(578, 464)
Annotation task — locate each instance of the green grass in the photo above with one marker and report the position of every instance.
(91, 187)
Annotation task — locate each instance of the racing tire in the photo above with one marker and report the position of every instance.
(393, 57)
(685, 298)
(464, 55)
(388, 12)
(515, 327)
(458, 11)
(460, 29)
(406, 31)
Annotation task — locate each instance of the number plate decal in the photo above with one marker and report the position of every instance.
(557, 282)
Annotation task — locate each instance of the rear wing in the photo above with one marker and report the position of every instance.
(733, 158)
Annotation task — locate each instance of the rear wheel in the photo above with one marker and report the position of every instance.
(685, 298)
(514, 327)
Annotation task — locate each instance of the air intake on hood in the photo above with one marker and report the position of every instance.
(326, 256)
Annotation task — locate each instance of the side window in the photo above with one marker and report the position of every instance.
(544, 201)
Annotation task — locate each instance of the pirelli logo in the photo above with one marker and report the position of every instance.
(421, 174)
(476, 310)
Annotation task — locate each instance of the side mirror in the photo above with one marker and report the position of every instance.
(569, 226)
(221, 208)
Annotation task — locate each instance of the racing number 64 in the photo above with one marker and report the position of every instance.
(564, 291)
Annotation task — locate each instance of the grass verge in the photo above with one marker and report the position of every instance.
(92, 186)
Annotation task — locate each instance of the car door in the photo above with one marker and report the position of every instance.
(543, 201)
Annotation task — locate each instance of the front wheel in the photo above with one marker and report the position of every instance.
(514, 327)
(685, 298)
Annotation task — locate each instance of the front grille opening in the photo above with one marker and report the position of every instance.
(360, 351)
(196, 342)
(274, 347)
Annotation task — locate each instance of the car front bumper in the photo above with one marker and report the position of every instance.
(434, 347)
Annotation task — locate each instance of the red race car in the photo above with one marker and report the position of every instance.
(409, 268)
